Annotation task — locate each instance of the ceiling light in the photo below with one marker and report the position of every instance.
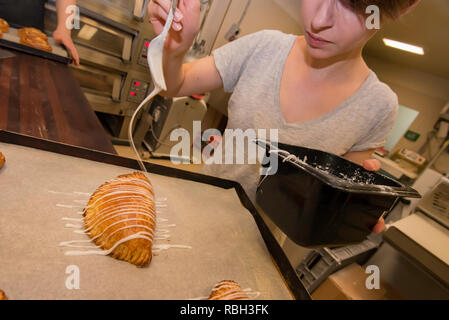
(404, 46)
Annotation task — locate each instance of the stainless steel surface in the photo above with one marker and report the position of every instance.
(436, 203)
(99, 82)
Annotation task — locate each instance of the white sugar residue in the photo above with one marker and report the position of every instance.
(358, 177)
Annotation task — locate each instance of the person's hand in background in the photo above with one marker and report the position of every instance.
(62, 34)
(185, 26)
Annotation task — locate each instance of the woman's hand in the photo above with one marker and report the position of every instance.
(185, 25)
(62, 35)
(374, 165)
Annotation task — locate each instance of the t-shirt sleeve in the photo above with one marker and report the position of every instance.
(232, 58)
(382, 124)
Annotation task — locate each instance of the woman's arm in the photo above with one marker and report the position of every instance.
(62, 34)
(196, 77)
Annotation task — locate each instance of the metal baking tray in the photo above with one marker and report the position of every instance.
(320, 199)
(65, 167)
(11, 40)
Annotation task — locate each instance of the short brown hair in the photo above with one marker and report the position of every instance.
(388, 8)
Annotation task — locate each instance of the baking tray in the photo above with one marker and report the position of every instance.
(11, 40)
(320, 199)
(228, 237)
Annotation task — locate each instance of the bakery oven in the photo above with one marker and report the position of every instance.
(112, 42)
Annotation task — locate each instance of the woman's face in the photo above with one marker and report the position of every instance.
(332, 29)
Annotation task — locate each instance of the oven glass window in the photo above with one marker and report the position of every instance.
(92, 34)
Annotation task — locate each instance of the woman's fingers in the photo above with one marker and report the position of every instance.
(380, 226)
(372, 165)
(164, 5)
(163, 8)
(158, 10)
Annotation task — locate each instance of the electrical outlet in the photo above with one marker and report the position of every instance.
(233, 32)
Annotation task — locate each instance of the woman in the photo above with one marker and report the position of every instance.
(315, 89)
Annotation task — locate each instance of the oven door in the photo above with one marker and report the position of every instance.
(98, 33)
(99, 82)
(102, 78)
(132, 8)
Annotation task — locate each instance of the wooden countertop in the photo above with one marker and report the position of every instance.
(41, 98)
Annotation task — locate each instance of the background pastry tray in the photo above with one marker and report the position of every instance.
(39, 188)
(11, 40)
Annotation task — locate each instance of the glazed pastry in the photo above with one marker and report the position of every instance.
(4, 26)
(32, 32)
(227, 290)
(2, 160)
(3, 296)
(36, 42)
(121, 216)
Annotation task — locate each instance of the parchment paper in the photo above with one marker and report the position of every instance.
(226, 243)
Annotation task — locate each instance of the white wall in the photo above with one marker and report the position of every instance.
(261, 15)
(418, 90)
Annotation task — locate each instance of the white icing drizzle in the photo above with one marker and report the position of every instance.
(160, 247)
(69, 225)
(248, 291)
(68, 206)
(135, 197)
(233, 291)
(97, 223)
(58, 192)
(72, 219)
(138, 235)
(81, 193)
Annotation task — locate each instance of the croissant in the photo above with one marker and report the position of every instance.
(120, 216)
(2, 160)
(3, 296)
(4, 26)
(36, 42)
(227, 290)
(32, 32)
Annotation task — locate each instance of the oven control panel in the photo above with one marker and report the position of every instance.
(138, 91)
(143, 53)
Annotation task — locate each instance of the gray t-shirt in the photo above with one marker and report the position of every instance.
(251, 68)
